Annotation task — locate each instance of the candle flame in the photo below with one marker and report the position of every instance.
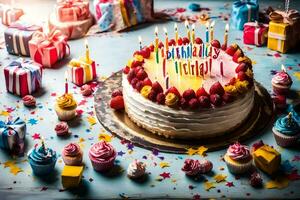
(156, 30)
(283, 68)
(227, 27)
(140, 39)
(193, 26)
(86, 42)
(212, 24)
(166, 31)
(66, 76)
(207, 25)
(186, 24)
(175, 26)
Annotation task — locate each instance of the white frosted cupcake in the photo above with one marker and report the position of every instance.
(136, 169)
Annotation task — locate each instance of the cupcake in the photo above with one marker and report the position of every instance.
(42, 160)
(86, 90)
(65, 107)
(102, 156)
(191, 167)
(286, 131)
(62, 129)
(281, 83)
(238, 158)
(136, 169)
(29, 101)
(72, 154)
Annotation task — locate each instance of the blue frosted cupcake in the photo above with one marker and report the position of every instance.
(42, 160)
(286, 131)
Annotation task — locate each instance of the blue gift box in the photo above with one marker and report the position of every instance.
(12, 135)
(242, 12)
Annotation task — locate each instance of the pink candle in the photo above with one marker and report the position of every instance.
(221, 69)
(66, 84)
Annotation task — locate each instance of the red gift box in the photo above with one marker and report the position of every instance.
(23, 77)
(255, 33)
(81, 72)
(47, 49)
(72, 10)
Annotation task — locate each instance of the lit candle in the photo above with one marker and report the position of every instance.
(176, 32)
(193, 33)
(66, 83)
(283, 68)
(167, 40)
(140, 41)
(188, 30)
(207, 32)
(226, 36)
(212, 30)
(87, 52)
(43, 144)
(156, 44)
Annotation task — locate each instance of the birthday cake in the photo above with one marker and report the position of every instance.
(188, 89)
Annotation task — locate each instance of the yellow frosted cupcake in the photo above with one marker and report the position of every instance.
(65, 107)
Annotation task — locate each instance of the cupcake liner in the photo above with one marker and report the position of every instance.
(102, 166)
(65, 115)
(285, 140)
(73, 161)
(41, 170)
(280, 90)
(239, 168)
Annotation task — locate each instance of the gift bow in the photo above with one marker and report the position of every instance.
(289, 17)
(23, 27)
(53, 38)
(10, 128)
(78, 63)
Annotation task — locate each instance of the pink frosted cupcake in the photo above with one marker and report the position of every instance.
(238, 158)
(281, 83)
(72, 154)
(191, 167)
(62, 129)
(102, 156)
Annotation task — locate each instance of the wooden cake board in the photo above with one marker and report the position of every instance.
(119, 124)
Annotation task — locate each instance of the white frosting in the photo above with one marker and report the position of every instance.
(136, 169)
(183, 124)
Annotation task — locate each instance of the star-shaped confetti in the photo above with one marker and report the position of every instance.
(32, 121)
(229, 184)
(121, 153)
(92, 121)
(36, 136)
(4, 113)
(297, 75)
(105, 137)
(209, 185)
(14, 169)
(164, 164)
(191, 151)
(279, 183)
(202, 150)
(220, 178)
(165, 175)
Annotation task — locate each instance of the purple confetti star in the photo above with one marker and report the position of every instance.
(130, 146)
(121, 153)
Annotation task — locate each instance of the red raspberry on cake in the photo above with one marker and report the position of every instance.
(157, 87)
(185, 41)
(232, 81)
(147, 81)
(172, 42)
(160, 98)
(133, 82)
(179, 41)
(194, 103)
(201, 92)
(137, 69)
(151, 47)
(189, 94)
(139, 85)
(237, 54)
(174, 91)
(216, 99)
(117, 103)
(242, 76)
(137, 53)
(242, 67)
(136, 63)
(131, 75)
(116, 93)
(184, 104)
(232, 49)
(204, 101)
(160, 45)
(198, 40)
(126, 70)
(217, 88)
(215, 43)
(146, 52)
(152, 95)
(141, 75)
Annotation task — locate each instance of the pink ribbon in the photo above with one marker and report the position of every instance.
(22, 27)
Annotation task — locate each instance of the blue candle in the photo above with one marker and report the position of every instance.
(207, 32)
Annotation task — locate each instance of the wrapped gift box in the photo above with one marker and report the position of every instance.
(81, 72)
(284, 30)
(12, 135)
(17, 37)
(71, 176)
(115, 15)
(23, 77)
(72, 30)
(242, 12)
(72, 10)
(47, 49)
(10, 15)
(255, 33)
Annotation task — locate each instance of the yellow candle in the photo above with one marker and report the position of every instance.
(176, 32)
(167, 39)
(156, 38)
(212, 30)
(189, 66)
(188, 30)
(87, 51)
(226, 35)
(193, 33)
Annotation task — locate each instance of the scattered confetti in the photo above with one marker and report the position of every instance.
(92, 121)
(279, 183)
(165, 175)
(105, 137)
(229, 184)
(164, 164)
(208, 185)
(220, 178)
(202, 150)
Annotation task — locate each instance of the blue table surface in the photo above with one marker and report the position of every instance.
(111, 52)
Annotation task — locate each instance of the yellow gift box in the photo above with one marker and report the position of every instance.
(283, 30)
(71, 176)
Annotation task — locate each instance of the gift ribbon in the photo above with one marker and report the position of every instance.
(279, 38)
(289, 17)
(87, 70)
(54, 38)
(15, 128)
(23, 27)
(76, 5)
(34, 75)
